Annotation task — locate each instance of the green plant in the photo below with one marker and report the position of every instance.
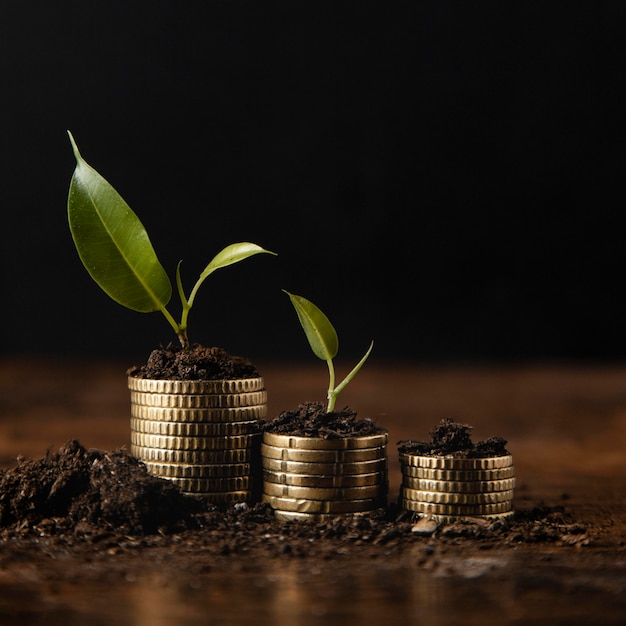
(116, 251)
(324, 342)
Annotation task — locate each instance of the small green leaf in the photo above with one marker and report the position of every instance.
(317, 327)
(232, 254)
(112, 242)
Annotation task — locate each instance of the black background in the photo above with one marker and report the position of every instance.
(446, 178)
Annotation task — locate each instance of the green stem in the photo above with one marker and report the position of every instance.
(179, 329)
(331, 386)
(183, 321)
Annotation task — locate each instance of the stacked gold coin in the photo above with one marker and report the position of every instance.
(312, 478)
(447, 488)
(202, 435)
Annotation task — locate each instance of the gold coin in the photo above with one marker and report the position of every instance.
(451, 519)
(439, 497)
(323, 456)
(318, 443)
(324, 469)
(146, 440)
(323, 506)
(206, 415)
(458, 475)
(226, 497)
(328, 480)
(455, 463)
(212, 485)
(309, 517)
(458, 486)
(315, 493)
(193, 429)
(455, 509)
(201, 457)
(180, 401)
(195, 387)
(183, 470)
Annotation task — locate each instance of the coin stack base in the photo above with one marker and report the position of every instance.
(315, 479)
(204, 436)
(448, 488)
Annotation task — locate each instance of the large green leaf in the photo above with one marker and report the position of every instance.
(317, 327)
(112, 242)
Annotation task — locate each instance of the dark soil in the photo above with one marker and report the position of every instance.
(196, 363)
(78, 501)
(91, 488)
(449, 438)
(91, 507)
(311, 419)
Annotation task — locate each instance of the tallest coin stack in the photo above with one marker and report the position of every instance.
(202, 435)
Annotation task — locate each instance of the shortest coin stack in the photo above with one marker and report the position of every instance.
(204, 436)
(312, 478)
(448, 488)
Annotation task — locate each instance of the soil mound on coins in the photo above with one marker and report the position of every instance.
(450, 438)
(311, 419)
(196, 363)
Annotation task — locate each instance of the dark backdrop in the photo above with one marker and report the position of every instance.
(446, 179)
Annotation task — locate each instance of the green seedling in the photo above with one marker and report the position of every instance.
(324, 343)
(116, 251)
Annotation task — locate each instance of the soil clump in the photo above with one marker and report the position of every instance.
(450, 438)
(311, 419)
(196, 363)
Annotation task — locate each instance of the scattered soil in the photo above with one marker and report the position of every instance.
(450, 438)
(80, 514)
(92, 502)
(312, 420)
(196, 363)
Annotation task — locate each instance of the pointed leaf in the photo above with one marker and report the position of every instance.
(232, 254)
(112, 242)
(317, 327)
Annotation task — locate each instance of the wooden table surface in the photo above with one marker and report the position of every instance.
(565, 426)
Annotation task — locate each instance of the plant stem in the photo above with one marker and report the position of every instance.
(331, 386)
(179, 329)
(184, 340)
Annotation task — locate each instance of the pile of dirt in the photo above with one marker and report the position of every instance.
(80, 505)
(450, 438)
(311, 419)
(79, 487)
(77, 496)
(196, 363)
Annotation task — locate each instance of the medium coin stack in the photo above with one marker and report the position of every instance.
(202, 435)
(312, 478)
(447, 488)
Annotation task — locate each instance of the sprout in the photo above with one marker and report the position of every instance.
(324, 343)
(116, 251)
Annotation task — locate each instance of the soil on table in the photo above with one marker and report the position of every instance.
(450, 438)
(91, 504)
(79, 514)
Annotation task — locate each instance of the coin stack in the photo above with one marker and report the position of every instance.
(204, 436)
(312, 478)
(447, 488)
